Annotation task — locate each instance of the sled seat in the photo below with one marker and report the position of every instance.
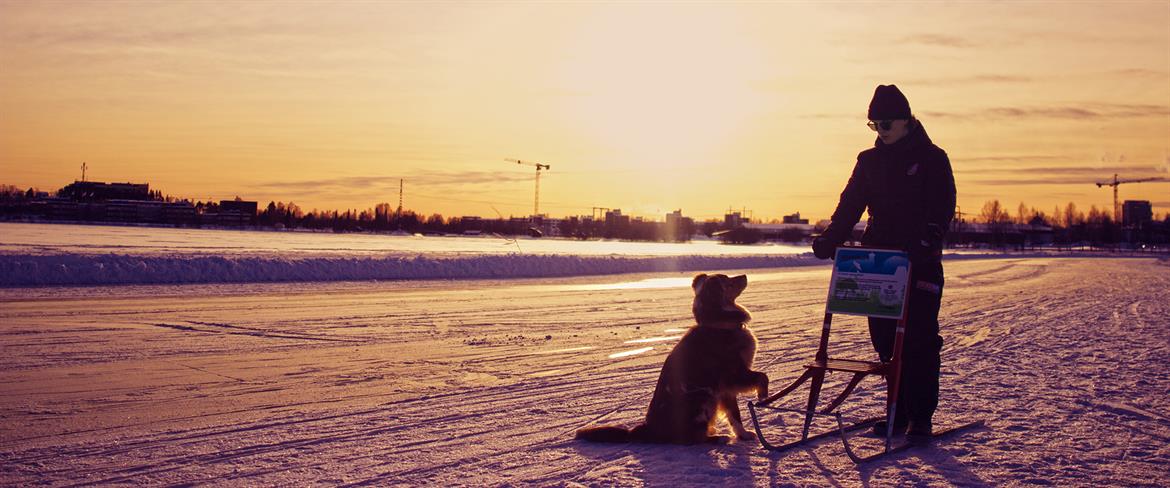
(816, 372)
(850, 366)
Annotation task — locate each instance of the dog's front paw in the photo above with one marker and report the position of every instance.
(719, 439)
(747, 436)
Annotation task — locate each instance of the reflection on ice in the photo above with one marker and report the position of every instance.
(629, 353)
(652, 339)
(675, 282)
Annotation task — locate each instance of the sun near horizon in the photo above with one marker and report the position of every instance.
(647, 107)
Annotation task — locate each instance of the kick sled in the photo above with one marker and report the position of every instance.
(866, 282)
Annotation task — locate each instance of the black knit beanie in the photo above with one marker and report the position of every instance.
(888, 104)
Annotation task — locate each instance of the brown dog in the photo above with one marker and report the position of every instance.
(702, 375)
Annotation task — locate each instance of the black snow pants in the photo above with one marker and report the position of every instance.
(921, 347)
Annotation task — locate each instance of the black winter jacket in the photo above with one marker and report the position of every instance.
(909, 190)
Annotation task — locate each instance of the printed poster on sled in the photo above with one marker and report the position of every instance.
(869, 282)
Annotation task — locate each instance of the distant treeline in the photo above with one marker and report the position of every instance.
(32, 204)
(1064, 227)
(384, 218)
(994, 226)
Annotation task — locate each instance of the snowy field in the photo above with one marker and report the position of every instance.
(483, 382)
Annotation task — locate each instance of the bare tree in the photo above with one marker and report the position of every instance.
(1072, 216)
(994, 213)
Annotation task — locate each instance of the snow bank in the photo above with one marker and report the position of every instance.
(23, 269)
(87, 269)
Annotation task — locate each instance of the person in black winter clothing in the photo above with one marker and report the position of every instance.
(906, 184)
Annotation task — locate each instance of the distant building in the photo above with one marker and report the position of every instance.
(674, 218)
(550, 227)
(66, 209)
(677, 227)
(241, 206)
(96, 190)
(794, 219)
(119, 210)
(236, 212)
(519, 222)
(133, 211)
(732, 220)
(1136, 213)
(179, 213)
(615, 218)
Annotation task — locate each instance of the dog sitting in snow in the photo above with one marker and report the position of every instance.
(702, 375)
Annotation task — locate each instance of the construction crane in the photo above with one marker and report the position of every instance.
(398, 213)
(1115, 183)
(536, 199)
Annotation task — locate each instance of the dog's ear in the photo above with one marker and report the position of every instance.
(698, 281)
(711, 291)
(736, 284)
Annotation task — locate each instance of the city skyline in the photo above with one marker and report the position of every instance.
(999, 210)
(644, 107)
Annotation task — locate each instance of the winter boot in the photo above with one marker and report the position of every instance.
(900, 425)
(920, 432)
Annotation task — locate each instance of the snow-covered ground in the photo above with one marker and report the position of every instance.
(480, 382)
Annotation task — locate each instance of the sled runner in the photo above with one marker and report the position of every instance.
(867, 282)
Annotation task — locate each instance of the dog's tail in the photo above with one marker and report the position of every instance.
(610, 433)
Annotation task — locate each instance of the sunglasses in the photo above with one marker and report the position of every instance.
(884, 124)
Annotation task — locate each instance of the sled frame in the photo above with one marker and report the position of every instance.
(815, 372)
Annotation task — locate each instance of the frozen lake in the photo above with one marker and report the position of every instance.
(154, 241)
(62, 255)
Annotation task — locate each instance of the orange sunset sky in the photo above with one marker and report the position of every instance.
(647, 107)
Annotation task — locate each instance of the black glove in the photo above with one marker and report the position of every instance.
(927, 247)
(922, 251)
(823, 248)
